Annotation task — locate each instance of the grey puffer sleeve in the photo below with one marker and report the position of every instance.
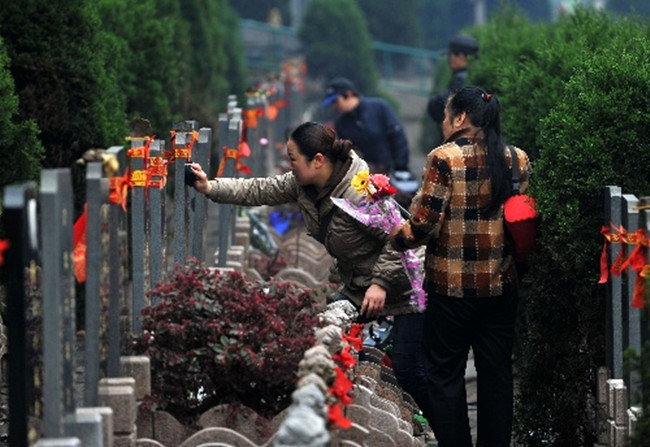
(255, 191)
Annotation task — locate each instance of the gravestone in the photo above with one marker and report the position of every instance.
(198, 204)
(185, 136)
(138, 181)
(156, 197)
(20, 223)
(118, 260)
(96, 266)
(59, 326)
(231, 130)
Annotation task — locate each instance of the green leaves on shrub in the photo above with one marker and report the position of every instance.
(216, 337)
(575, 96)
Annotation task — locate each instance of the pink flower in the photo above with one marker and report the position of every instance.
(383, 186)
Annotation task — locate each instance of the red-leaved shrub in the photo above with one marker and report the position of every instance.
(216, 337)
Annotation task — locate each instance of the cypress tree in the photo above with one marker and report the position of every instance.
(20, 150)
(336, 42)
(57, 60)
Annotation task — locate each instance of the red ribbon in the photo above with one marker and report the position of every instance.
(335, 416)
(341, 387)
(353, 336)
(181, 152)
(242, 151)
(119, 187)
(4, 246)
(79, 246)
(636, 259)
(344, 358)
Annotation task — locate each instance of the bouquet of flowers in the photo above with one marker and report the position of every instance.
(380, 210)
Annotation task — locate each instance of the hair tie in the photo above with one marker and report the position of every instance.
(486, 96)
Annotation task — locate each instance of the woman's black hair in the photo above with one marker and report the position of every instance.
(313, 138)
(482, 110)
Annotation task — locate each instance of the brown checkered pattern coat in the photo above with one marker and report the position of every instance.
(467, 255)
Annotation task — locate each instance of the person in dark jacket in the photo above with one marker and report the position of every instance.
(368, 269)
(372, 126)
(461, 47)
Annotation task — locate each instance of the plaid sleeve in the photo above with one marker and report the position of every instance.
(428, 206)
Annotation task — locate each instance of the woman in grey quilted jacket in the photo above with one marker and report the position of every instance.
(366, 266)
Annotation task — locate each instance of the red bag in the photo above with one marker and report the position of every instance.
(520, 217)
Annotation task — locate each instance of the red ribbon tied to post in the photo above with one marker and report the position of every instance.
(636, 259)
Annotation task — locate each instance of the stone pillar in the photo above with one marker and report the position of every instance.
(616, 412)
(119, 394)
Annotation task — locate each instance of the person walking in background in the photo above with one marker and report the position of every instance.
(470, 276)
(373, 127)
(461, 47)
(368, 269)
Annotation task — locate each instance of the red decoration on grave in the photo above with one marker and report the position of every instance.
(185, 152)
(344, 358)
(353, 337)
(636, 259)
(335, 416)
(4, 245)
(79, 246)
(119, 189)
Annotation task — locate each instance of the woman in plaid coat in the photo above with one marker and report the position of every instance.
(470, 276)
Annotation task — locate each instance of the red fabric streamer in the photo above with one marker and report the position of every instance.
(341, 387)
(335, 416)
(4, 245)
(79, 246)
(344, 358)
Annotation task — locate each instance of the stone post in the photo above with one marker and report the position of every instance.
(21, 226)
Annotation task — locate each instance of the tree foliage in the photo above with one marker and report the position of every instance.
(394, 21)
(143, 58)
(577, 103)
(336, 42)
(83, 69)
(20, 149)
(58, 61)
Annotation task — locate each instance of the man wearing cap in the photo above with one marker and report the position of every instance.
(373, 127)
(461, 46)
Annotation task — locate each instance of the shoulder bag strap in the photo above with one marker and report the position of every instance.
(515, 170)
(325, 223)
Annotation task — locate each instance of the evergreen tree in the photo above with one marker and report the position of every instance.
(336, 42)
(20, 150)
(211, 30)
(57, 55)
(394, 21)
(143, 60)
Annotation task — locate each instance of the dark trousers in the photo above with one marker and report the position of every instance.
(453, 325)
(407, 358)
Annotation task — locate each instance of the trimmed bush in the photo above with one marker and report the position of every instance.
(216, 338)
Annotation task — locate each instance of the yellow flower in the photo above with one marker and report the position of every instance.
(360, 181)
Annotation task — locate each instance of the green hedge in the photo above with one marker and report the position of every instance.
(575, 94)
